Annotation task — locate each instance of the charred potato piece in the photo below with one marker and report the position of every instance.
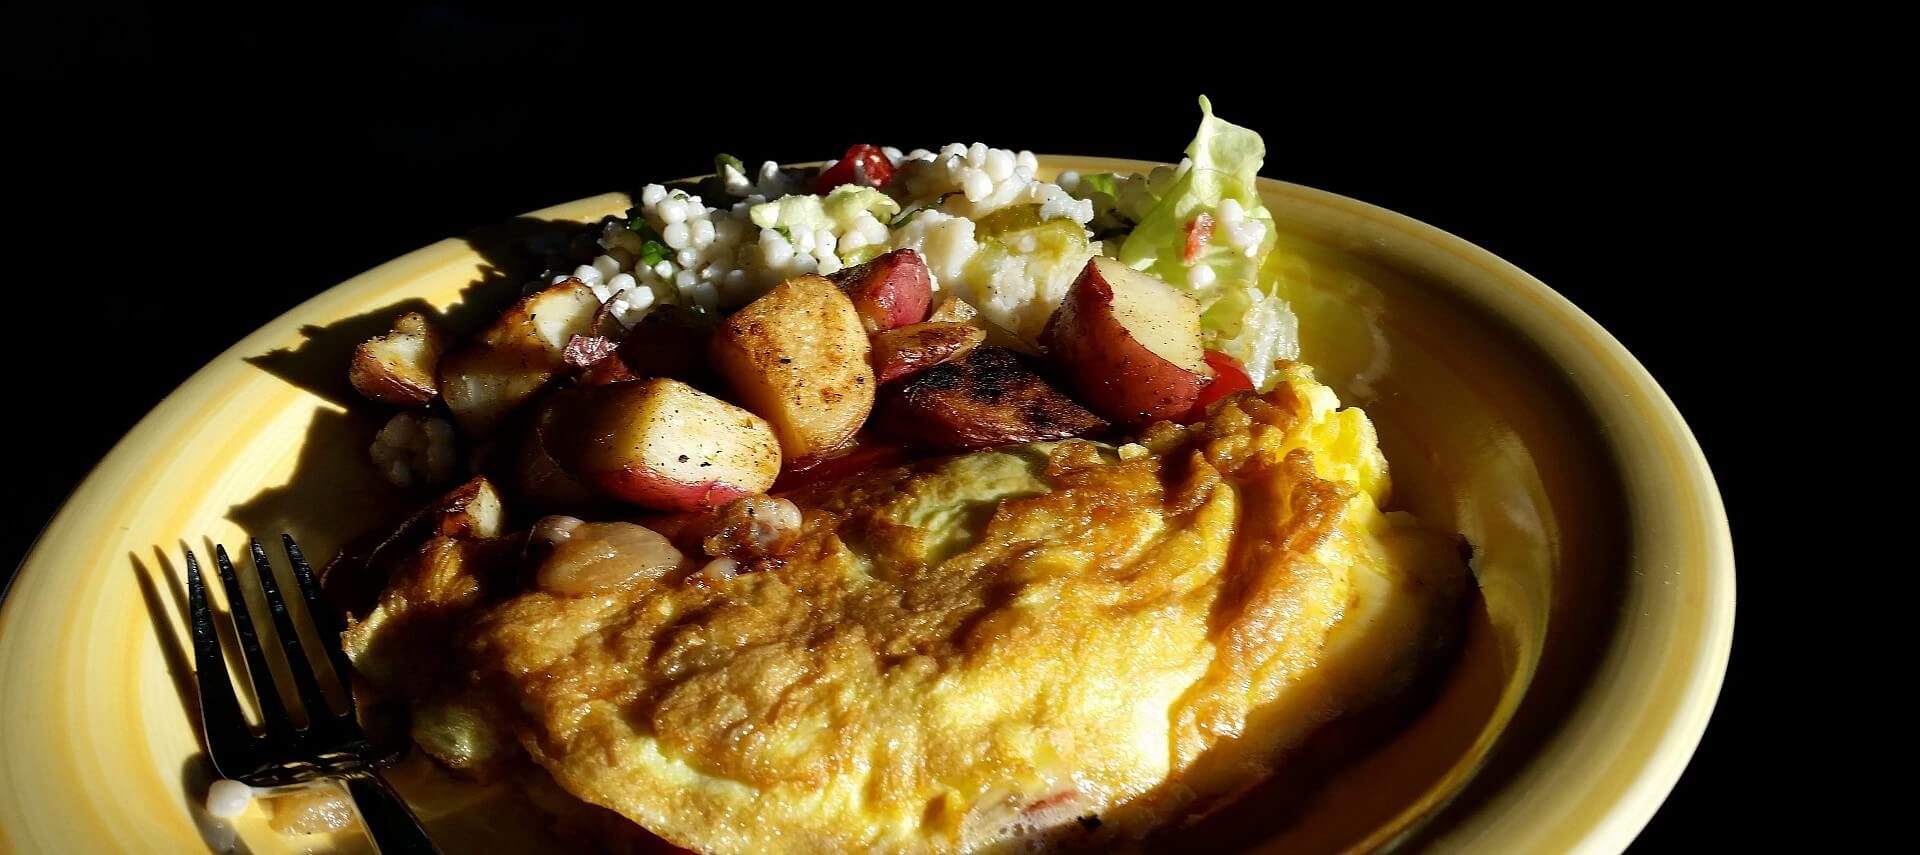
(355, 577)
(401, 367)
(906, 350)
(446, 572)
(473, 511)
(985, 399)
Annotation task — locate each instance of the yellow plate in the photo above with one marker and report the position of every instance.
(1507, 414)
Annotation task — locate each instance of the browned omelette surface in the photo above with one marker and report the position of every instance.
(996, 648)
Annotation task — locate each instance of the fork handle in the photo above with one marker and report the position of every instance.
(394, 829)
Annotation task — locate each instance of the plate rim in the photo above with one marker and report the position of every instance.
(1686, 717)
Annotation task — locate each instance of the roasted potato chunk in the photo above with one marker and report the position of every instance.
(893, 290)
(906, 350)
(472, 511)
(662, 444)
(401, 367)
(516, 356)
(798, 357)
(399, 645)
(1130, 344)
(446, 573)
(987, 398)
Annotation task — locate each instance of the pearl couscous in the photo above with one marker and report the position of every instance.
(991, 230)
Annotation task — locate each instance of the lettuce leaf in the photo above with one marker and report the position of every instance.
(1242, 311)
(1223, 146)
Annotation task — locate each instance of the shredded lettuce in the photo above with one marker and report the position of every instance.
(1255, 328)
(1223, 146)
(1242, 312)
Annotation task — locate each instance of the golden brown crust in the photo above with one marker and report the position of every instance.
(401, 367)
(798, 357)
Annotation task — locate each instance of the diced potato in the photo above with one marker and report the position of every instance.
(890, 291)
(663, 444)
(798, 357)
(906, 350)
(1130, 344)
(515, 357)
(401, 367)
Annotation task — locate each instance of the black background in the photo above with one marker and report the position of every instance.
(181, 188)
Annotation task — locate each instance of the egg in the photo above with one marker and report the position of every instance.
(1049, 644)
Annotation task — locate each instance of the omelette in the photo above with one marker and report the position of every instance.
(1051, 645)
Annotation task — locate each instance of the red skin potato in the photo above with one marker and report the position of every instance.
(620, 440)
(908, 350)
(1110, 368)
(893, 290)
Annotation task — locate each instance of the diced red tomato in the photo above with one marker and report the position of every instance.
(863, 164)
(1199, 234)
(861, 457)
(1229, 376)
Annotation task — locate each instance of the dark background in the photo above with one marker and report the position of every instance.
(183, 187)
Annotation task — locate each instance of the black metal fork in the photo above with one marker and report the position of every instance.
(331, 745)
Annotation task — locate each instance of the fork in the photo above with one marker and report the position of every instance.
(332, 745)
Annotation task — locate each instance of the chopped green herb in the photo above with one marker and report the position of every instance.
(653, 252)
(722, 161)
(909, 214)
(784, 232)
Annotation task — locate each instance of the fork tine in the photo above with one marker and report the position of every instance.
(303, 680)
(327, 619)
(229, 741)
(272, 712)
